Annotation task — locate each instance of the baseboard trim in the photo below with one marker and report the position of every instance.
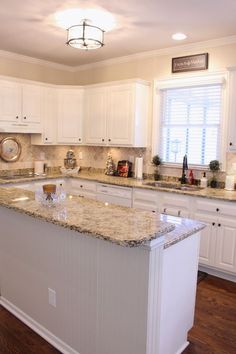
(184, 346)
(217, 273)
(36, 327)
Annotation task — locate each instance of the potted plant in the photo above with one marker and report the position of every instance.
(214, 166)
(156, 161)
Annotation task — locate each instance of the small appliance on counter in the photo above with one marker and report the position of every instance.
(70, 164)
(70, 160)
(124, 168)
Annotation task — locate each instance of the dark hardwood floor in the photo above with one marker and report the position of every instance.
(214, 330)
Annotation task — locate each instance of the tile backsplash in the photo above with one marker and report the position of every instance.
(92, 156)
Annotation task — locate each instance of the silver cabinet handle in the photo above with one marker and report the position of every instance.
(20, 125)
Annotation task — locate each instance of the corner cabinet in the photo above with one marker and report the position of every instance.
(20, 107)
(70, 116)
(117, 114)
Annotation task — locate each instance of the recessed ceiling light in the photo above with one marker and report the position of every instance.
(179, 36)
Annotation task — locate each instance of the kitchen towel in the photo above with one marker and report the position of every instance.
(138, 168)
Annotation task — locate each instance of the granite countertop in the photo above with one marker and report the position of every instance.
(124, 226)
(211, 193)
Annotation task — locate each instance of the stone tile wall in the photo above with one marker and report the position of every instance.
(92, 157)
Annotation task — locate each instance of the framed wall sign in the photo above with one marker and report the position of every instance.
(190, 63)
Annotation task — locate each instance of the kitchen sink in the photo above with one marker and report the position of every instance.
(175, 186)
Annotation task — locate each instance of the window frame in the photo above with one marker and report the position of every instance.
(191, 81)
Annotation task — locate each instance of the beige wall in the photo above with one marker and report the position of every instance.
(36, 72)
(155, 67)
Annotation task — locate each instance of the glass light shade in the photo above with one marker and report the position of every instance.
(85, 36)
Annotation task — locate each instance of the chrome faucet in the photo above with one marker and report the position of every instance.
(183, 179)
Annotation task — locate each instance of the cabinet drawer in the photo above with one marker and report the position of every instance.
(216, 207)
(176, 201)
(122, 192)
(83, 185)
(144, 199)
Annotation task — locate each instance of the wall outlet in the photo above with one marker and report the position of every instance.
(80, 155)
(52, 297)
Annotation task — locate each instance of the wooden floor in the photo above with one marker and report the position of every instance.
(214, 331)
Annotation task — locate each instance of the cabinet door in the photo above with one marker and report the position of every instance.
(120, 115)
(49, 135)
(225, 258)
(10, 102)
(232, 112)
(95, 116)
(70, 112)
(208, 239)
(31, 104)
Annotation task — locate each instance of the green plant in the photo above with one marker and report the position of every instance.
(156, 161)
(214, 166)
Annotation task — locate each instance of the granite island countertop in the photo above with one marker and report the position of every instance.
(210, 193)
(123, 226)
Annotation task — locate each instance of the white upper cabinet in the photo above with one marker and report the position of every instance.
(31, 103)
(20, 107)
(10, 102)
(232, 112)
(95, 116)
(49, 119)
(117, 114)
(120, 121)
(70, 115)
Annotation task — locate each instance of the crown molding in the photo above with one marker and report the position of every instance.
(124, 59)
(160, 52)
(31, 60)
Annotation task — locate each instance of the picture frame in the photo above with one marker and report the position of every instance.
(190, 63)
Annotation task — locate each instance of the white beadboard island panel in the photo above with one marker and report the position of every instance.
(109, 299)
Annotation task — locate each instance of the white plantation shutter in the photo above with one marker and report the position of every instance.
(190, 124)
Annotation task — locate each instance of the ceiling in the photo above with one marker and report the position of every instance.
(27, 28)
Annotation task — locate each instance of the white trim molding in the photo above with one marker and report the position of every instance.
(38, 328)
(192, 79)
(31, 60)
(160, 52)
(212, 43)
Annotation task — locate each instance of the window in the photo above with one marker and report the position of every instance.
(190, 122)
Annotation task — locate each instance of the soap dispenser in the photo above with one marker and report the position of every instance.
(203, 181)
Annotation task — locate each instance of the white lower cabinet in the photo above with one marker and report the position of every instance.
(218, 239)
(175, 204)
(225, 256)
(145, 199)
(82, 188)
(114, 194)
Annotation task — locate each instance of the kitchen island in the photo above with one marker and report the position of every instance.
(98, 279)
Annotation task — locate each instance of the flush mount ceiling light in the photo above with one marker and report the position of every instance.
(85, 27)
(179, 36)
(85, 36)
